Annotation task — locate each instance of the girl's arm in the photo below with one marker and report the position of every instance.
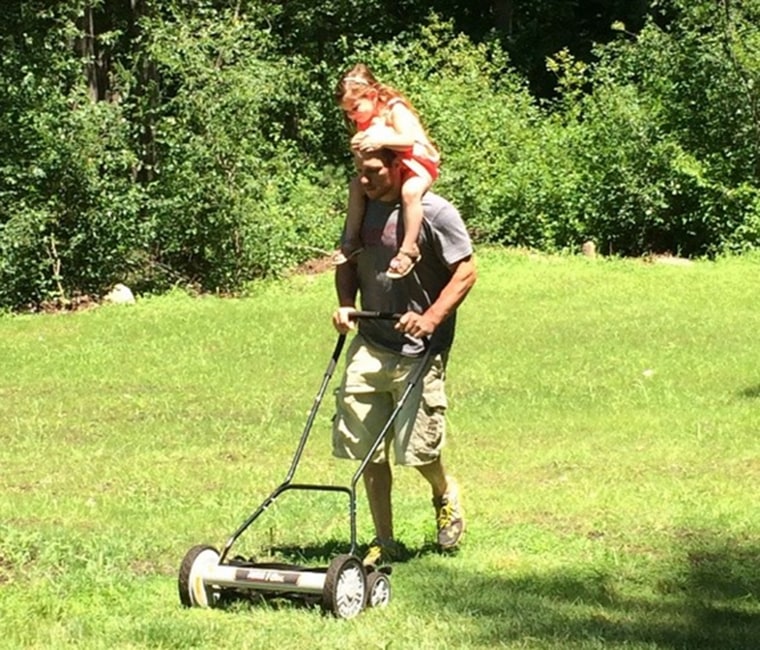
(403, 131)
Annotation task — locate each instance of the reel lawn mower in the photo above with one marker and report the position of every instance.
(207, 578)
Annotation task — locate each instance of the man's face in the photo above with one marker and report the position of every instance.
(379, 179)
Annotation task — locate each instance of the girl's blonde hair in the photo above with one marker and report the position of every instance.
(359, 81)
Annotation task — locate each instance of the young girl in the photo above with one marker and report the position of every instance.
(382, 117)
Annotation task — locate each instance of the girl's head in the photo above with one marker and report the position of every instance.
(361, 96)
(357, 94)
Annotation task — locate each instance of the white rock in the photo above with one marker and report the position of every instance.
(121, 294)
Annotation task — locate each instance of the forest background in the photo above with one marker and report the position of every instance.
(197, 143)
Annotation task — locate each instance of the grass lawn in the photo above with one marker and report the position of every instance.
(604, 429)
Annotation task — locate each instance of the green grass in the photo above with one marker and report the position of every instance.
(604, 428)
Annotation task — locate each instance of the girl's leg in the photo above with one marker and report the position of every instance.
(412, 192)
(351, 241)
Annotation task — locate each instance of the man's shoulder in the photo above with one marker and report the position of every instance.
(436, 202)
(432, 205)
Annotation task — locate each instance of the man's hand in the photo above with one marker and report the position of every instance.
(417, 325)
(341, 320)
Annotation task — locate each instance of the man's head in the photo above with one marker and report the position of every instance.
(380, 174)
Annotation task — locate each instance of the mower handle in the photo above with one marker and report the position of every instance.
(383, 315)
(380, 315)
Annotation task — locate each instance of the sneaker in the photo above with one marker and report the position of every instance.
(449, 516)
(382, 552)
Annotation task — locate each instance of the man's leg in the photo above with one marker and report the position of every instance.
(449, 515)
(378, 481)
(436, 476)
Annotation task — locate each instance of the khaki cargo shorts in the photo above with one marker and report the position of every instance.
(373, 382)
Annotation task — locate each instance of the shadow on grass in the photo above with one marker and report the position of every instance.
(753, 392)
(709, 601)
(329, 550)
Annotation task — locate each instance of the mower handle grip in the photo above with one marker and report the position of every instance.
(379, 315)
(383, 315)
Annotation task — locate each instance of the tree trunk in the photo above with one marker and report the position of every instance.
(95, 57)
(503, 11)
(146, 94)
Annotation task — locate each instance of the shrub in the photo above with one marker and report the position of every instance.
(233, 198)
(668, 138)
(69, 215)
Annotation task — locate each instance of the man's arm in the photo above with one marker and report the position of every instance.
(346, 288)
(463, 278)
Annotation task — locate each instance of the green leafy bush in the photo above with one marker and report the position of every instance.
(71, 221)
(69, 208)
(233, 197)
(668, 140)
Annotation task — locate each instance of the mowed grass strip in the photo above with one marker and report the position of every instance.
(603, 427)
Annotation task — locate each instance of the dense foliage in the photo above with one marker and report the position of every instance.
(197, 142)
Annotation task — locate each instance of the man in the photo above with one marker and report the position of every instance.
(383, 353)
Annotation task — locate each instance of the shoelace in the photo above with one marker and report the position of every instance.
(445, 514)
(375, 551)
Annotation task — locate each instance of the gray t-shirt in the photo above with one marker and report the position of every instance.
(443, 242)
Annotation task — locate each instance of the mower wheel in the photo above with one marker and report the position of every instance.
(378, 589)
(193, 592)
(345, 590)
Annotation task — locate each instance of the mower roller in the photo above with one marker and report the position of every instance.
(345, 587)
